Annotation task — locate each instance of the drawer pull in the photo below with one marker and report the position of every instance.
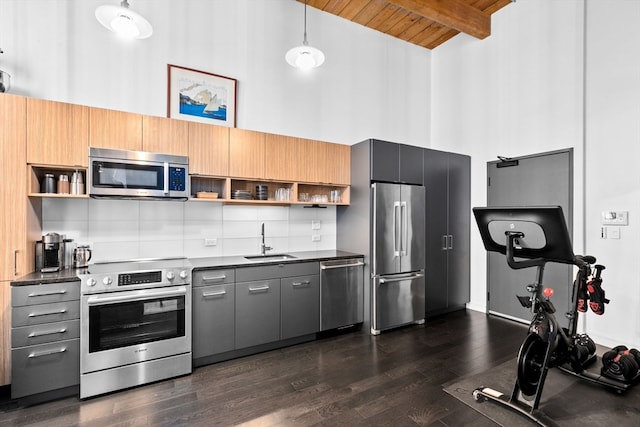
(214, 278)
(214, 294)
(47, 353)
(264, 288)
(46, 294)
(48, 313)
(41, 334)
(302, 284)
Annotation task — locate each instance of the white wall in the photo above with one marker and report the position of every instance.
(371, 85)
(525, 90)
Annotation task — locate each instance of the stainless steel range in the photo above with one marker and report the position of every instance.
(135, 324)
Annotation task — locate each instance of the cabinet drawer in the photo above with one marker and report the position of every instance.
(44, 293)
(276, 271)
(213, 277)
(213, 320)
(39, 368)
(45, 313)
(44, 333)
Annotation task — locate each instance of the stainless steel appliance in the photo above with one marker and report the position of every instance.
(398, 255)
(135, 324)
(341, 293)
(81, 256)
(137, 174)
(50, 253)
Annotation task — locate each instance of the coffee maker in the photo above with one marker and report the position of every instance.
(50, 253)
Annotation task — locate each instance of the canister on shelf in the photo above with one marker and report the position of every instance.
(48, 183)
(63, 184)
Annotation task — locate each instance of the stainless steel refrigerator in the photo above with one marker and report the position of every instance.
(398, 255)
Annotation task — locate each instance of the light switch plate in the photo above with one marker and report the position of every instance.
(315, 224)
(613, 232)
(615, 218)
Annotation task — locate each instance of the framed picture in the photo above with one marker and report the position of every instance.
(201, 97)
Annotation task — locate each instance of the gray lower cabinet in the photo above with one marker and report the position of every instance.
(213, 312)
(300, 306)
(45, 338)
(235, 309)
(276, 302)
(257, 312)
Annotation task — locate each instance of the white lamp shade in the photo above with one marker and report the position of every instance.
(123, 21)
(304, 57)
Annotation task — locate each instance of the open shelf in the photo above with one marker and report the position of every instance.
(36, 174)
(279, 192)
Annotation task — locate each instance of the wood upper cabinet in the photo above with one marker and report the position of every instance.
(208, 149)
(130, 131)
(164, 135)
(324, 162)
(339, 164)
(281, 157)
(312, 158)
(57, 133)
(246, 153)
(115, 129)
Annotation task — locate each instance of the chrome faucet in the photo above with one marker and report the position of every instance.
(263, 248)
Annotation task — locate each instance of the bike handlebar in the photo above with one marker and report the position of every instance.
(583, 260)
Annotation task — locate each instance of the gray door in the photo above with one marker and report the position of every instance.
(538, 180)
(412, 223)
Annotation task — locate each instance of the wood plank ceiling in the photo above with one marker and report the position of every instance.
(426, 23)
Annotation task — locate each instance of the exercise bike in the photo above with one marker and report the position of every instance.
(533, 237)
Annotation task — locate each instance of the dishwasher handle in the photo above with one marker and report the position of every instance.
(324, 266)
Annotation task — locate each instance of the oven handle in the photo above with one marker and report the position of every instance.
(138, 296)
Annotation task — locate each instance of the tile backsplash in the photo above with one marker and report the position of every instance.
(131, 229)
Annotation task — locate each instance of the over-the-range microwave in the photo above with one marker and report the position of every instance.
(137, 174)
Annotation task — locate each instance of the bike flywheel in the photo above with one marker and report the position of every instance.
(530, 364)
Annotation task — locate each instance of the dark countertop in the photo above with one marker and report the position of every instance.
(71, 274)
(36, 278)
(240, 261)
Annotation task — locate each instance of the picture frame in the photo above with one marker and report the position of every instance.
(200, 96)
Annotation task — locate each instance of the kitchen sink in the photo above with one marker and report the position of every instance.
(270, 257)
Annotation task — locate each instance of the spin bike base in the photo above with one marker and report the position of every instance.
(619, 385)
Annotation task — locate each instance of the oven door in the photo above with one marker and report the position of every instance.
(121, 328)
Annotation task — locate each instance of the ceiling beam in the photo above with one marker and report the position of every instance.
(454, 14)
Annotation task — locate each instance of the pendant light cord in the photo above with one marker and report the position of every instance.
(305, 42)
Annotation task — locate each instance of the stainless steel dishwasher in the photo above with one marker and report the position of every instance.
(341, 293)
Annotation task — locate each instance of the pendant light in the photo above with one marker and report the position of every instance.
(123, 21)
(305, 57)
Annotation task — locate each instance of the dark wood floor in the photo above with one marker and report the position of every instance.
(395, 378)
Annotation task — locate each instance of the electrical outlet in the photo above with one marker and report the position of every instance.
(210, 242)
(315, 224)
(315, 238)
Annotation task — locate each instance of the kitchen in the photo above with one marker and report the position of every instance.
(381, 62)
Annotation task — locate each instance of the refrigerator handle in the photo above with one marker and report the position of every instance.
(444, 242)
(404, 220)
(396, 249)
(450, 245)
